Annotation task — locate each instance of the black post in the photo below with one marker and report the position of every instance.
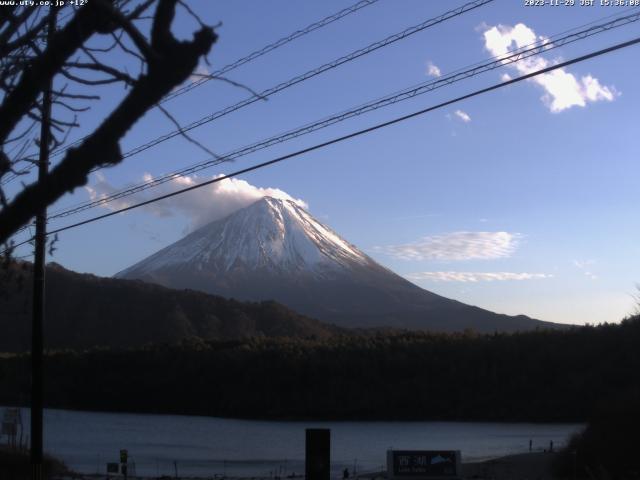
(318, 454)
(37, 400)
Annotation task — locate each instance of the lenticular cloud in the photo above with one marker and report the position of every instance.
(456, 246)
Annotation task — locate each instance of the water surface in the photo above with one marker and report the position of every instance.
(208, 446)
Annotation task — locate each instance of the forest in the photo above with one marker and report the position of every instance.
(545, 376)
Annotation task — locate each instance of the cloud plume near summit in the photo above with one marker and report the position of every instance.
(200, 206)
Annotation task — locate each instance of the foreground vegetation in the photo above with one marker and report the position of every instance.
(581, 374)
(15, 465)
(608, 447)
(535, 376)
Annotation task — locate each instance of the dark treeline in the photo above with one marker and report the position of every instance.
(16, 465)
(608, 447)
(535, 376)
(83, 311)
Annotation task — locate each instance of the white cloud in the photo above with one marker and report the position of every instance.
(464, 116)
(433, 70)
(562, 89)
(475, 276)
(456, 246)
(585, 267)
(505, 77)
(199, 206)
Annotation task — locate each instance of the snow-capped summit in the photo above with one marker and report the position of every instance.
(275, 250)
(271, 234)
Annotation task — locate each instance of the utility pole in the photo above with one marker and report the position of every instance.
(37, 344)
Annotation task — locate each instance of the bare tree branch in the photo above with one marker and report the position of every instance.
(85, 81)
(100, 67)
(136, 36)
(44, 67)
(27, 38)
(234, 83)
(185, 134)
(170, 65)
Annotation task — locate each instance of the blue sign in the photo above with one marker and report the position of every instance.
(423, 464)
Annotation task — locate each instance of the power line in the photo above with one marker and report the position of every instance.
(312, 73)
(348, 136)
(272, 46)
(405, 94)
(303, 77)
(237, 63)
(411, 92)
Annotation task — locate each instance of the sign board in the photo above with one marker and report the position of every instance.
(423, 464)
(124, 456)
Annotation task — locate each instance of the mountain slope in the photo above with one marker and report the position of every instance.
(84, 311)
(273, 249)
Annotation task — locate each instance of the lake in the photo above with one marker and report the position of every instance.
(206, 446)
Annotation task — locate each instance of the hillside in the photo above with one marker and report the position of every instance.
(84, 310)
(275, 250)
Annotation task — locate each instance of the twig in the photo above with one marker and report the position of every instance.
(185, 134)
(232, 82)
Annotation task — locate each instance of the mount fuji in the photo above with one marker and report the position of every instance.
(275, 250)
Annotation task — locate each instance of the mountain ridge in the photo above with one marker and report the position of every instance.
(274, 249)
(84, 310)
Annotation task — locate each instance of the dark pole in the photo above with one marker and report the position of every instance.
(317, 458)
(38, 280)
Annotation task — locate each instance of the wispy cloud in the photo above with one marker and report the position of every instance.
(456, 246)
(562, 89)
(464, 116)
(475, 276)
(585, 267)
(199, 206)
(433, 70)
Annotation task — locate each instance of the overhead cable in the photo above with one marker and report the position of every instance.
(346, 137)
(235, 64)
(391, 99)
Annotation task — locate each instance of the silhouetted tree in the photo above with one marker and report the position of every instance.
(27, 64)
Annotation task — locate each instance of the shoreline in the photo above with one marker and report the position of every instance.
(519, 466)
(318, 419)
(530, 465)
(523, 466)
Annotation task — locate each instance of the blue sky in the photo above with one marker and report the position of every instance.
(523, 200)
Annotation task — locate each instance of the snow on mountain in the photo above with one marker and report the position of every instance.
(275, 250)
(270, 234)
